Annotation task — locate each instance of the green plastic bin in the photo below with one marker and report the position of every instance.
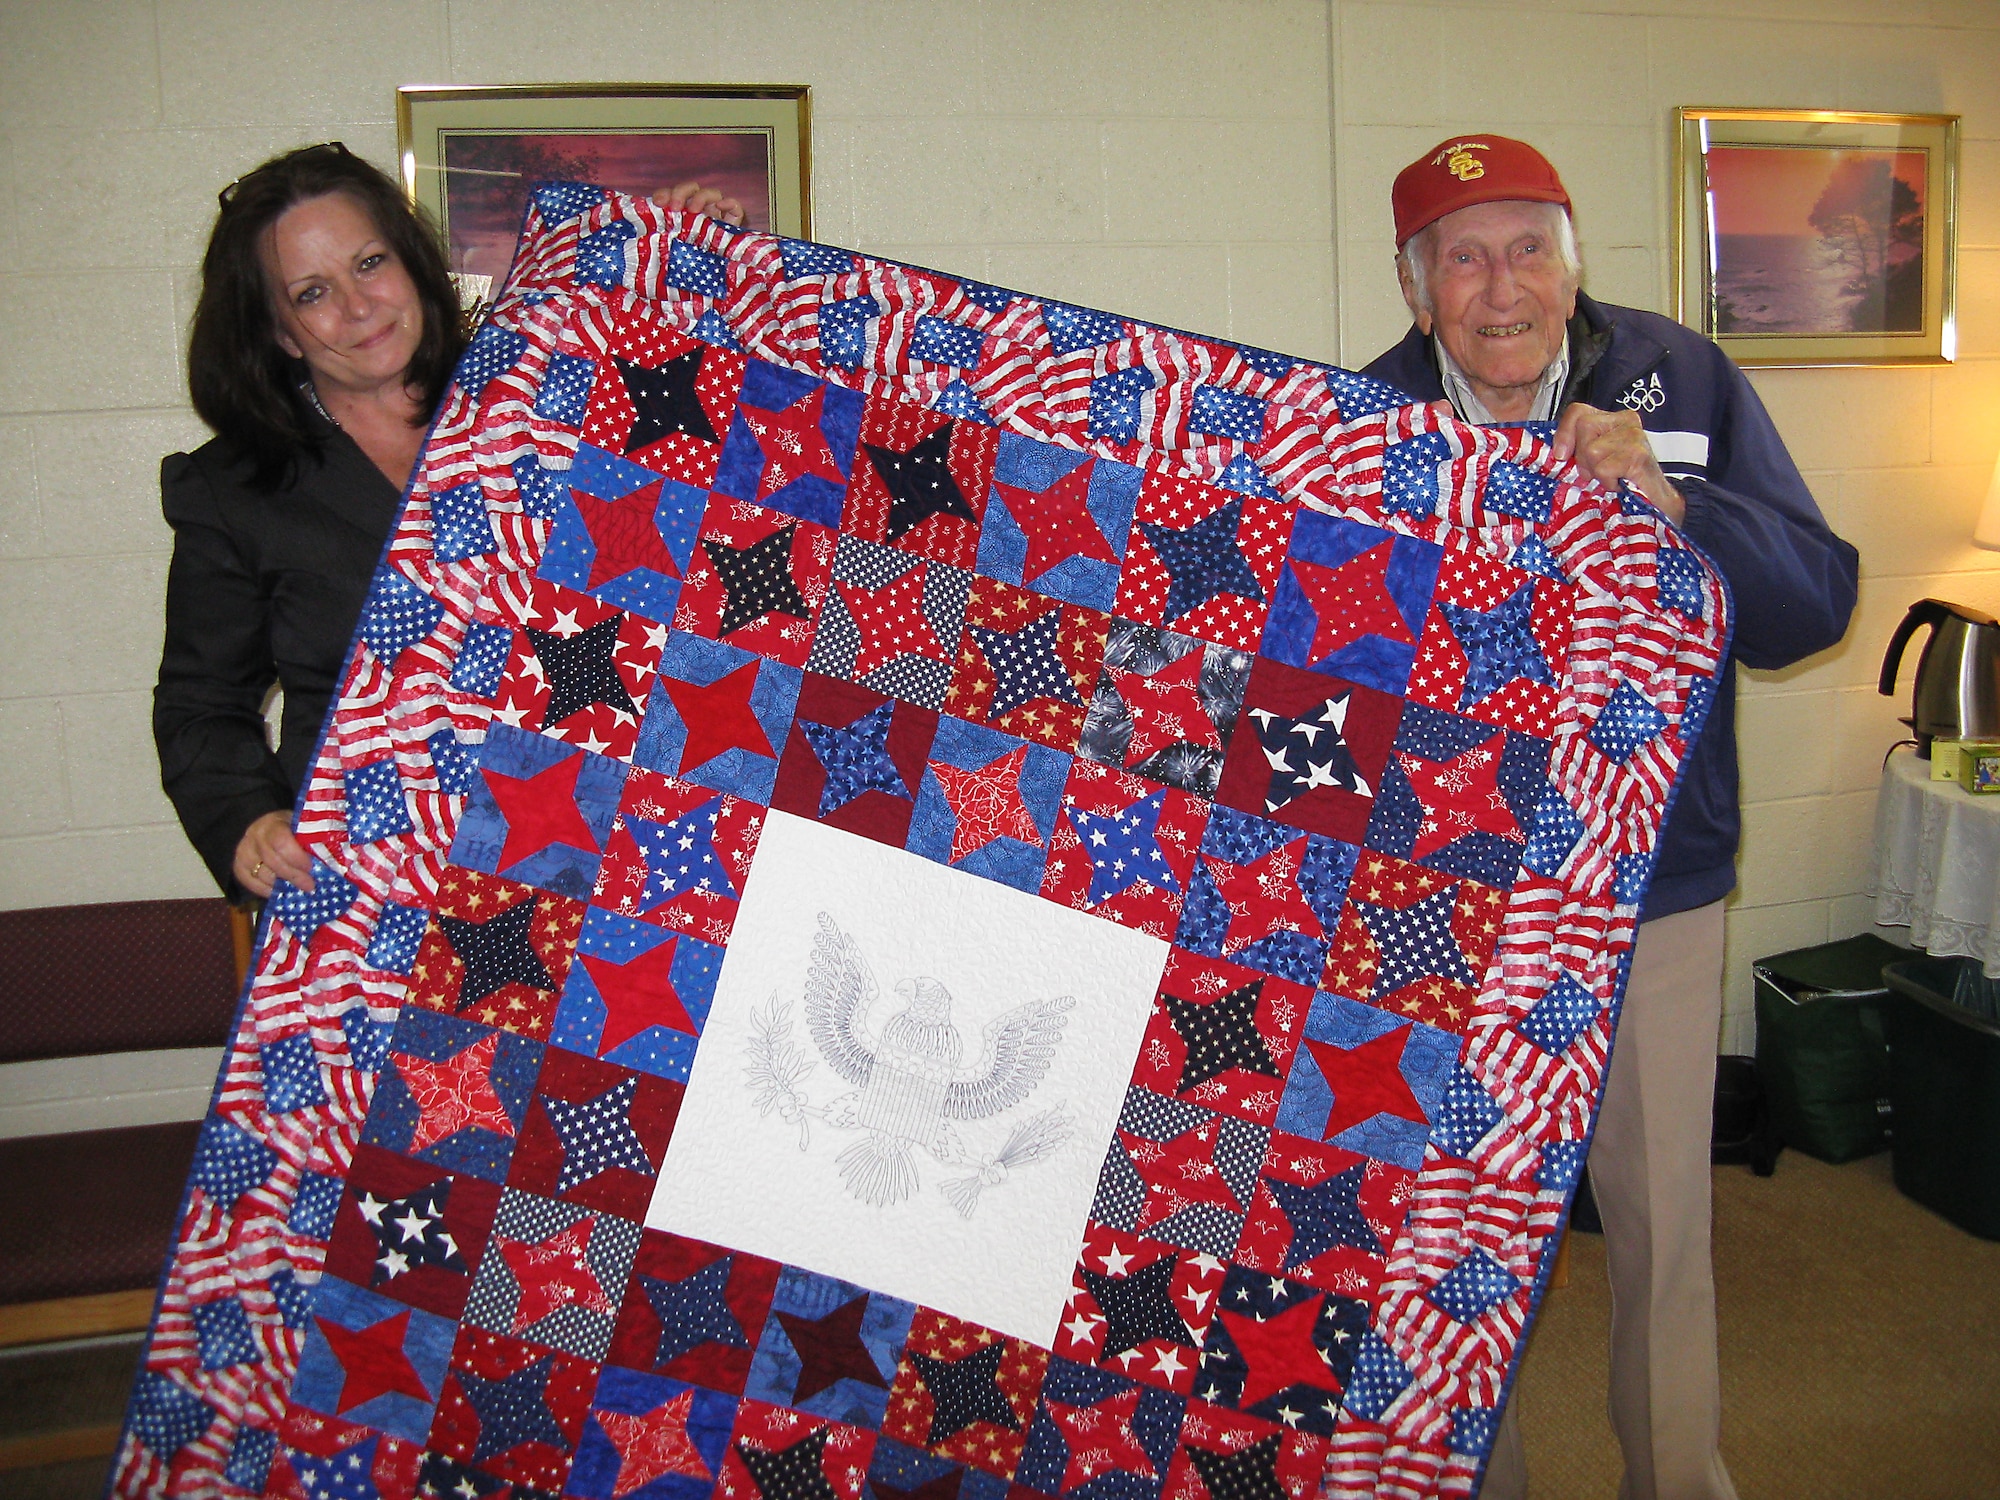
(1821, 1051)
(1944, 1079)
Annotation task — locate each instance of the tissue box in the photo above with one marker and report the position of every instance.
(1979, 766)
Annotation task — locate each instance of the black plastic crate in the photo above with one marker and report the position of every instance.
(1944, 1079)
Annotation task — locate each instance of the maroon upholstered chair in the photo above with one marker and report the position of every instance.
(90, 1214)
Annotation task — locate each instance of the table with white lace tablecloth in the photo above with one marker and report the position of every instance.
(1937, 862)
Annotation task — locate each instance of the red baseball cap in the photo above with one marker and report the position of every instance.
(1466, 169)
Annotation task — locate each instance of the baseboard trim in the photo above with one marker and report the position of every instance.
(75, 1317)
(58, 1447)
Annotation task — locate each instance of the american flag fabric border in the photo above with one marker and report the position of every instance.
(1367, 719)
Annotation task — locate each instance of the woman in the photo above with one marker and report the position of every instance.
(322, 344)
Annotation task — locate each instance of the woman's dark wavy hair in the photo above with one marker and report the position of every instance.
(245, 386)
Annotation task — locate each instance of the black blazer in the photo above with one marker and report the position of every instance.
(265, 588)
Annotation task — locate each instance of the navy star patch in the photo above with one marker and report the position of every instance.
(411, 1232)
(1250, 1473)
(580, 671)
(512, 1409)
(692, 1311)
(1325, 1215)
(496, 952)
(664, 400)
(1137, 1307)
(920, 483)
(757, 579)
(1416, 941)
(794, 1473)
(1220, 1035)
(1203, 560)
(965, 1391)
(855, 758)
(1025, 664)
(597, 1135)
(1308, 752)
(1499, 644)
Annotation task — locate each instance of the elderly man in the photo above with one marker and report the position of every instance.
(1489, 268)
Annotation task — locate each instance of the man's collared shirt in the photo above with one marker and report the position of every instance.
(1459, 389)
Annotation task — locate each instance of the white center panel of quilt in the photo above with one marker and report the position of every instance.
(909, 1078)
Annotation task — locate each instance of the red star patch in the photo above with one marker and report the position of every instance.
(891, 621)
(453, 1095)
(1352, 601)
(651, 1445)
(718, 716)
(1279, 1351)
(553, 1274)
(1366, 1081)
(540, 810)
(625, 534)
(1179, 1173)
(986, 804)
(793, 443)
(1461, 796)
(637, 994)
(1100, 1439)
(1057, 522)
(372, 1361)
(1166, 708)
(1263, 897)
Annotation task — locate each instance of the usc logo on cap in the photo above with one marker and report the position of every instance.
(1457, 159)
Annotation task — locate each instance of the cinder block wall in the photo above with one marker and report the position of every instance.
(1213, 164)
(1898, 458)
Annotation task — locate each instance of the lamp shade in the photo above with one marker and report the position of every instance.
(1987, 532)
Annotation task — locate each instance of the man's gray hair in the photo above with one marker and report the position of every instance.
(1415, 256)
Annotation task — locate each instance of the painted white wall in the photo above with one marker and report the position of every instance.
(1210, 164)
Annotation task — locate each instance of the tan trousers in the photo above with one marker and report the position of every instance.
(1649, 1170)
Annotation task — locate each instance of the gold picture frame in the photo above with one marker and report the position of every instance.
(469, 155)
(1818, 237)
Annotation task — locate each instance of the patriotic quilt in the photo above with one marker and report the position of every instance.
(926, 894)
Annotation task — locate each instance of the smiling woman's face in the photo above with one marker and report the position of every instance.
(343, 301)
(1501, 296)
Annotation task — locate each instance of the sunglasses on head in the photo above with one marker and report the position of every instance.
(325, 148)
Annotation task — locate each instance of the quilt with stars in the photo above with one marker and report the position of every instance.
(926, 894)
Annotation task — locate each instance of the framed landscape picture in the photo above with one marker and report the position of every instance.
(1818, 237)
(470, 155)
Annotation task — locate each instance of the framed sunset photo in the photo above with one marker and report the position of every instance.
(470, 155)
(1818, 237)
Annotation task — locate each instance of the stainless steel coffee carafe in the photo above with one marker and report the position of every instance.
(1958, 676)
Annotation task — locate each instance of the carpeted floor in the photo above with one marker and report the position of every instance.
(1860, 1347)
(1860, 1355)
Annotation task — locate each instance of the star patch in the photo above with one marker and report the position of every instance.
(1026, 664)
(1310, 751)
(1139, 1308)
(855, 759)
(1203, 561)
(691, 1311)
(1058, 521)
(1123, 849)
(1414, 942)
(757, 580)
(1165, 706)
(964, 1393)
(921, 482)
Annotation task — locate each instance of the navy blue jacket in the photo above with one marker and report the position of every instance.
(1748, 509)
